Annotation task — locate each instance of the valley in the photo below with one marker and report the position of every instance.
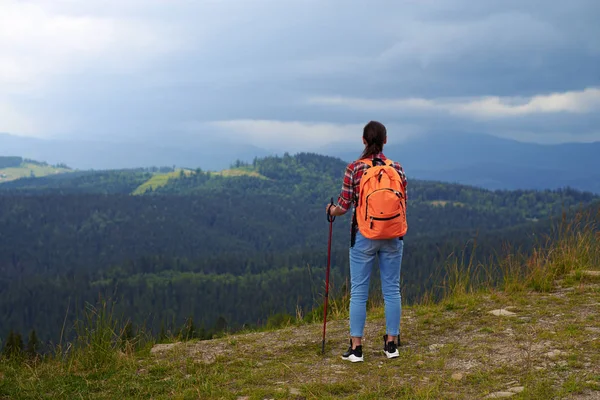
(169, 246)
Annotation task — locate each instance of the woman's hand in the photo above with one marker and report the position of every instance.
(329, 208)
(334, 210)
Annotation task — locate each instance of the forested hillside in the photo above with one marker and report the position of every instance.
(223, 248)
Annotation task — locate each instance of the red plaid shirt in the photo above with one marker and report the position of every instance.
(354, 172)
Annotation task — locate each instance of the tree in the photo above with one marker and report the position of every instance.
(14, 345)
(221, 324)
(162, 336)
(32, 345)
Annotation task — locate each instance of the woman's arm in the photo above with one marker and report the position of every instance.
(344, 201)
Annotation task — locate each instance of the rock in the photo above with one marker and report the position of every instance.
(595, 274)
(499, 395)
(457, 376)
(554, 354)
(502, 312)
(516, 389)
(295, 392)
(435, 346)
(161, 348)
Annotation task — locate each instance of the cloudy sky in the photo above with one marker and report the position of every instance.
(284, 74)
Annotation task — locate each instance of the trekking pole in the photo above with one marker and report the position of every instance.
(330, 218)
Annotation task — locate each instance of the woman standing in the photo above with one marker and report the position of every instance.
(377, 232)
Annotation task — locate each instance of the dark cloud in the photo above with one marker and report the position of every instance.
(263, 60)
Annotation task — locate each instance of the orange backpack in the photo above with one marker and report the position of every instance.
(381, 210)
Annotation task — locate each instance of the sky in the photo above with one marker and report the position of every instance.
(296, 74)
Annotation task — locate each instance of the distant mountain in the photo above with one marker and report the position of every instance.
(496, 163)
(179, 150)
(471, 159)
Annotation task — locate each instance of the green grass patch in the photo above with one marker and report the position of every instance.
(160, 180)
(27, 170)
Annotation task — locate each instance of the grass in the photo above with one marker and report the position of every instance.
(159, 180)
(452, 347)
(162, 179)
(27, 169)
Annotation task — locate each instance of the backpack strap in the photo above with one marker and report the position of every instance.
(367, 161)
(372, 162)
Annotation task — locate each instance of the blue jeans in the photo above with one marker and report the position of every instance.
(362, 258)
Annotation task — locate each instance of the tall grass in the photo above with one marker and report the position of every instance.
(573, 245)
(101, 340)
(102, 337)
(576, 248)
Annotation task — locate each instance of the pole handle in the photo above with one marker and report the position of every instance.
(330, 218)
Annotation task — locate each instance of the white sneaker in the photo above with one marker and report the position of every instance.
(389, 348)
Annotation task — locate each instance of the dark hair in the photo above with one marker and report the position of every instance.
(374, 134)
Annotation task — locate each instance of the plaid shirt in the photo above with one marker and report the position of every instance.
(354, 172)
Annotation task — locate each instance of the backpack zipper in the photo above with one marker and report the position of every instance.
(386, 218)
(381, 219)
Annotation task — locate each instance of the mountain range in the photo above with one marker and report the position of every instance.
(175, 150)
(495, 163)
(467, 158)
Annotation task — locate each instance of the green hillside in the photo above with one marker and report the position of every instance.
(160, 179)
(13, 168)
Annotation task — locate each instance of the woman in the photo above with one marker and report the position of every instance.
(363, 252)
